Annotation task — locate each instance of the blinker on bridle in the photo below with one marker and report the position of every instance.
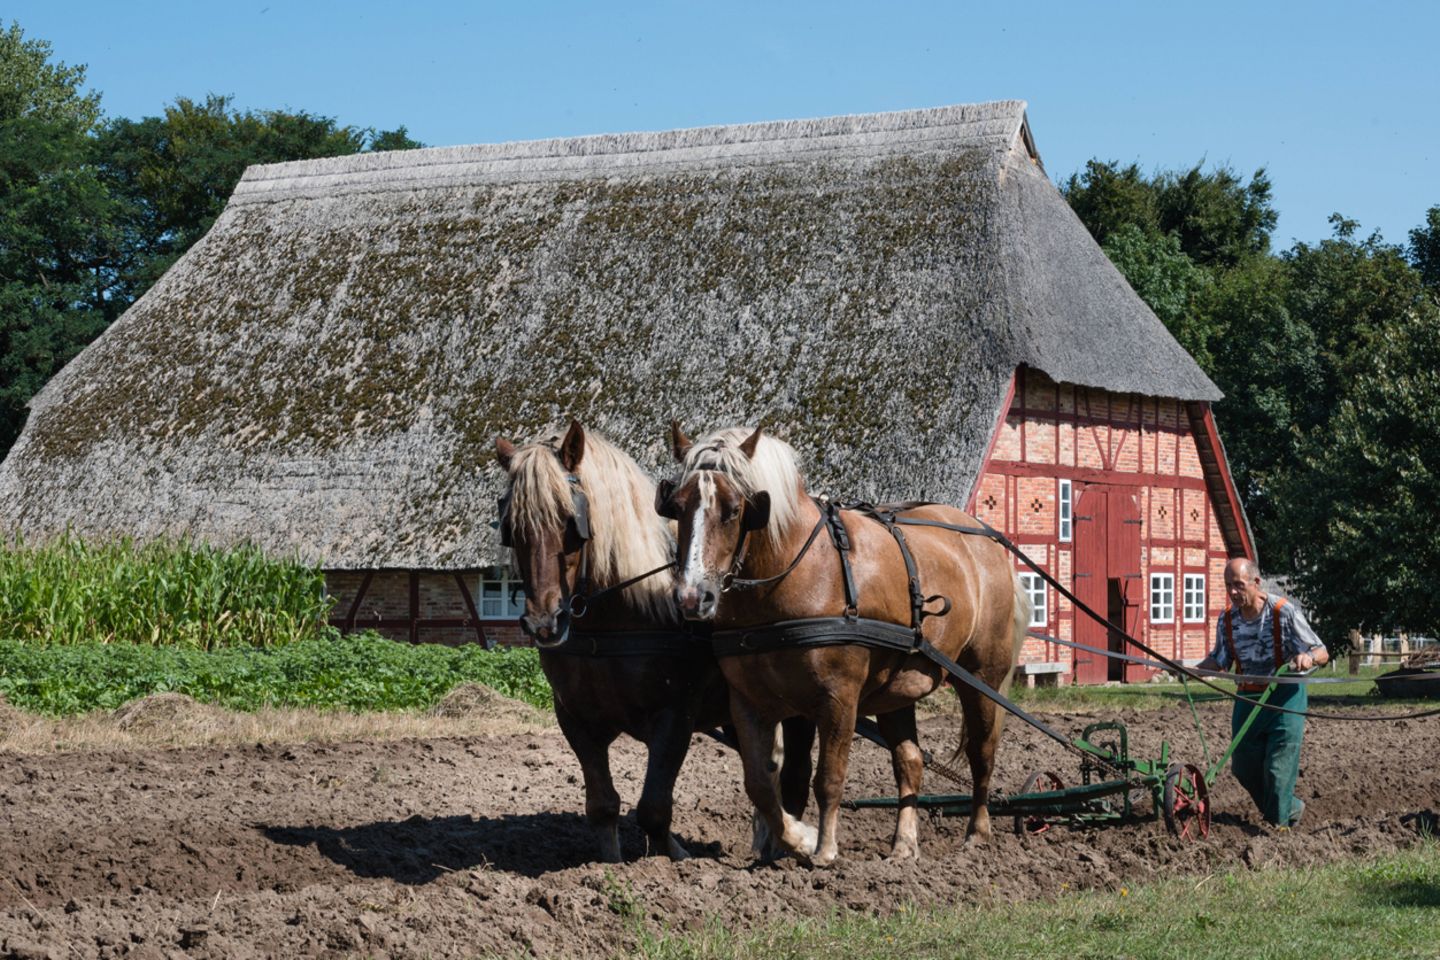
(754, 515)
(576, 603)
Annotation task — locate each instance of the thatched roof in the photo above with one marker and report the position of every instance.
(325, 371)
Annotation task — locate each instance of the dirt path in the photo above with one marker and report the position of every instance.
(459, 847)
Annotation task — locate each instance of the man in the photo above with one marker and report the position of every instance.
(1256, 636)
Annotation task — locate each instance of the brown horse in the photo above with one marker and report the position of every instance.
(579, 515)
(744, 515)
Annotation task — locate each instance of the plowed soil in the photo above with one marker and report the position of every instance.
(464, 847)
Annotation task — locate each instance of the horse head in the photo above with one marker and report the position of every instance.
(545, 520)
(717, 507)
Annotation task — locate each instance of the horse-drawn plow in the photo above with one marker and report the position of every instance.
(1110, 781)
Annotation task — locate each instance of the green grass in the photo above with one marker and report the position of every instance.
(161, 594)
(359, 672)
(1384, 908)
(1154, 696)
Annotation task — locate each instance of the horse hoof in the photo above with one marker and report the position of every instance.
(678, 852)
(904, 851)
(809, 840)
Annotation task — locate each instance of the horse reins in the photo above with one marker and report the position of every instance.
(829, 513)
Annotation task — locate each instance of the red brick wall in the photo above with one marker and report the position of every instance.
(388, 597)
(1140, 444)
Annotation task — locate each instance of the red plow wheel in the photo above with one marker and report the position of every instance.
(1186, 802)
(1038, 782)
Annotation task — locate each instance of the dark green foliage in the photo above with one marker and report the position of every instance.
(1167, 280)
(1322, 355)
(1425, 249)
(1218, 219)
(55, 218)
(359, 672)
(1366, 490)
(172, 174)
(93, 211)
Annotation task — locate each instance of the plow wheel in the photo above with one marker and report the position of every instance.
(1186, 802)
(1038, 782)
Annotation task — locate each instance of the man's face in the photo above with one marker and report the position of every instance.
(1244, 591)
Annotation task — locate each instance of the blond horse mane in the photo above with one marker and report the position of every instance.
(772, 469)
(629, 538)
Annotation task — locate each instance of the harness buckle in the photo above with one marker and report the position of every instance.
(577, 605)
(852, 613)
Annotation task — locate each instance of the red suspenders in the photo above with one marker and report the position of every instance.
(1279, 646)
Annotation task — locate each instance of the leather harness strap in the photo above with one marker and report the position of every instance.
(632, 643)
(1278, 644)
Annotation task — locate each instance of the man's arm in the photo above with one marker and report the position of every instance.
(1310, 651)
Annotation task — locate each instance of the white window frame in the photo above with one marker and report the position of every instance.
(1194, 597)
(501, 586)
(1034, 586)
(1065, 511)
(1162, 598)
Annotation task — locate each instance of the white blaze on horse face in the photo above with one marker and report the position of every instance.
(695, 572)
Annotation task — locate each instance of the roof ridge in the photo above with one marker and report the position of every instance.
(563, 156)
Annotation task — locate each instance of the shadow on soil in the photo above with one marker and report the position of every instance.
(419, 850)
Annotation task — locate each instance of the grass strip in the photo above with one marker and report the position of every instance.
(359, 672)
(1383, 908)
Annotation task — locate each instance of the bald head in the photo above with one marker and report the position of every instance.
(1241, 568)
(1242, 584)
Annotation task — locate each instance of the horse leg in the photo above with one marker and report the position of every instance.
(669, 743)
(836, 723)
(792, 755)
(799, 736)
(982, 734)
(898, 728)
(757, 744)
(602, 803)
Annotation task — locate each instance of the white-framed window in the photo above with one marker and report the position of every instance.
(1162, 598)
(502, 595)
(1067, 525)
(1034, 588)
(1194, 597)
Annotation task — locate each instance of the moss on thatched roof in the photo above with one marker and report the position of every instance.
(325, 371)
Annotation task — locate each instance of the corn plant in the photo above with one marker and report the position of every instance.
(179, 594)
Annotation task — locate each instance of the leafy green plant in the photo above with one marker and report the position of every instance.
(358, 672)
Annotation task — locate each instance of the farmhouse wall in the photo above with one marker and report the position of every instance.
(1142, 449)
(440, 612)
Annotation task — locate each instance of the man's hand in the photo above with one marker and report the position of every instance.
(1302, 662)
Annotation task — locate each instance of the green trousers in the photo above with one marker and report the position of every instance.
(1267, 759)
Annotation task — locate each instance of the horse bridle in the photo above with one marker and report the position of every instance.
(754, 515)
(577, 601)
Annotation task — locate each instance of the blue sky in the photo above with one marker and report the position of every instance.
(1339, 101)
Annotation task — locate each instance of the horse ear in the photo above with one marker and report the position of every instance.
(572, 448)
(504, 452)
(664, 505)
(757, 510)
(748, 447)
(679, 443)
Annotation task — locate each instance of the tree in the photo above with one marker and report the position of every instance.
(1425, 249)
(1218, 218)
(1367, 489)
(173, 174)
(56, 222)
(1169, 282)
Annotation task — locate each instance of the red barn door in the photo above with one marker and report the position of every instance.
(1123, 559)
(1091, 581)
